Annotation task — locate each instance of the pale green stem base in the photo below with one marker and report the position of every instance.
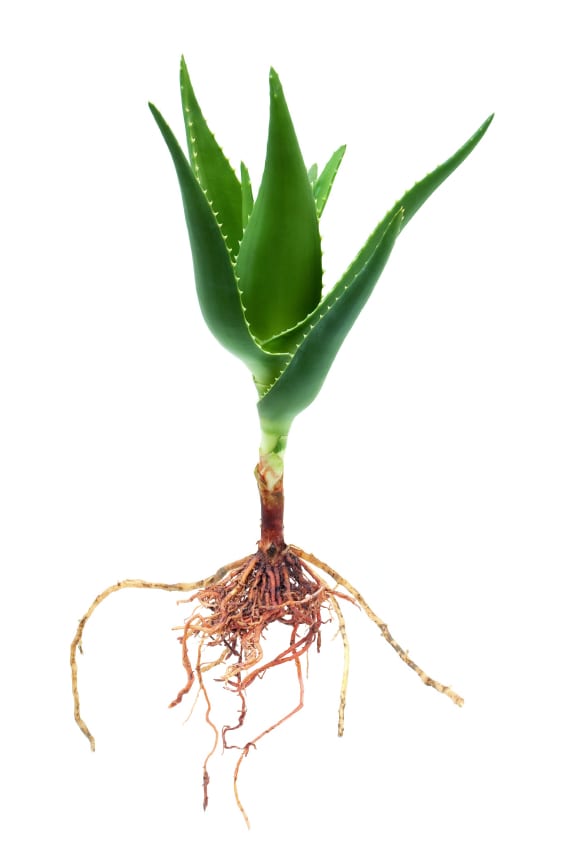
(271, 458)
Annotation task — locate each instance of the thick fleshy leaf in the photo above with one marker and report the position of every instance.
(280, 264)
(213, 171)
(214, 272)
(411, 202)
(326, 179)
(247, 195)
(302, 379)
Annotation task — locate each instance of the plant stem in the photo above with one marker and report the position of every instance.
(272, 505)
(269, 477)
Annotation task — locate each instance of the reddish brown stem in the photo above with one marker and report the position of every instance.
(272, 504)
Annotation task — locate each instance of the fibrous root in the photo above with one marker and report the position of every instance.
(230, 613)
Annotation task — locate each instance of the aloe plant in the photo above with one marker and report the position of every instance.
(258, 274)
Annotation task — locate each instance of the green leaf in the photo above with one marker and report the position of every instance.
(302, 379)
(411, 202)
(212, 169)
(214, 272)
(421, 191)
(324, 183)
(280, 264)
(312, 174)
(247, 195)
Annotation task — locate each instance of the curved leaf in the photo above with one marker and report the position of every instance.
(211, 168)
(324, 183)
(413, 199)
(411, 202)
(214, 272)
(280, 264)
(302, 379)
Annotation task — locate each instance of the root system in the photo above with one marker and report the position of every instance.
(226, 628)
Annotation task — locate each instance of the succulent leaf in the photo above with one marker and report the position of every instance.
(215, 279)
(411, 202)
(303, 377)
(213, 171)
(279, 263)
(325, 181)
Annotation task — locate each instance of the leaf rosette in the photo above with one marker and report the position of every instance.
(258, 264)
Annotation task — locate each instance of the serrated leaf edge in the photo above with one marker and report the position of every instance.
(194, 155)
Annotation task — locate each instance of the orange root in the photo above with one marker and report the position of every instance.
(232, 615)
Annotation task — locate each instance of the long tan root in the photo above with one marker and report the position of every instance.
(346, 664)
(76, 644)
(341, 581)
(207, 718)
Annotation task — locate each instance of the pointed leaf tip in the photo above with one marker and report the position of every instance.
(323, 183)
(274, 83)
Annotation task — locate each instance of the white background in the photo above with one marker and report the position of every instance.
(430, 470)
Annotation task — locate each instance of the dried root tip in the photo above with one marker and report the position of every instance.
(205, 782)
(428, 681)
